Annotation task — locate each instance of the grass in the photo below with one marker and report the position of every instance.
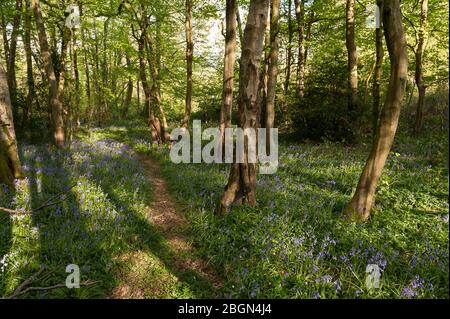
(294, 244)
(100, 224)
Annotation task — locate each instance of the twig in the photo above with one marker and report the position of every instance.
(45, 204)
(13, 211)
(15, 295)
(28, 281)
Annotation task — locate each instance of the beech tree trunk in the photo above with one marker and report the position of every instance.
(12, 81)
(189, 63)
(378, 74)
(55, 97)
(155, 65)
(10, 167)
(30, 79)
(352, 56)
(129, 94)
(419, 65)
(363, 200)
(300, 14)
(241, 185)
(289, 49)
(146, 88)
(229, 62)
(5, 37)
(272, 69)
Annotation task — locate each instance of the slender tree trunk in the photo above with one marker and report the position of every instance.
(154, 61)
(55, 102)
(229, 62)
(308, 35)
(130, 85)
(419, 65)
(30, 79)
(287, 81)
(242, 181)
(378, 73)
(86, 67)
(154, 125)
(76, 74)
(189, 63)
(12, 81)
(10, 167)
(264, 75)
(272, 69)
(138, 93)
(352, 57)
(361, 205)
(239, 24)
(367, 82)
(300, 14)
(5, 38)
(289, 49)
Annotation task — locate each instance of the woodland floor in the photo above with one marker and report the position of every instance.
(169, 219)
(140, 226)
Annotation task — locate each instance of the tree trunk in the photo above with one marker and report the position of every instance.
(378, 74)
(76, 74)
(288, 60)
(300, 14)
(12, 81)
(10, 167)
(55, 102)
(419, 65)
(154, 61)
(239, 24)
(154, 125)
(228, 72)
(272, 70)
(5, 37)
(189, 62)
(242, 181)
(30, 80)
(361, 205)
(352, 57)
(130, 85)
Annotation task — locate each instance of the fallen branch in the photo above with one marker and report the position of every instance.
(16, 294)
(29, 281)
(45, 204)
(13, 211)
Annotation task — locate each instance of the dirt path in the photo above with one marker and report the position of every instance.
(169, 219)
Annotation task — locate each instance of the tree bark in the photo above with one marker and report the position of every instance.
(12, 81)
(352, 57)
(272, 70)
(10, 167)
(419, 65)
(300, 14)
(378, 74)
(189, 63)
(30, 79)
(289, 49)
(130, 84)
(242, 181)
(154, 61)
(363, 200)
(229, 63)
(5, 37)
(55, 102)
